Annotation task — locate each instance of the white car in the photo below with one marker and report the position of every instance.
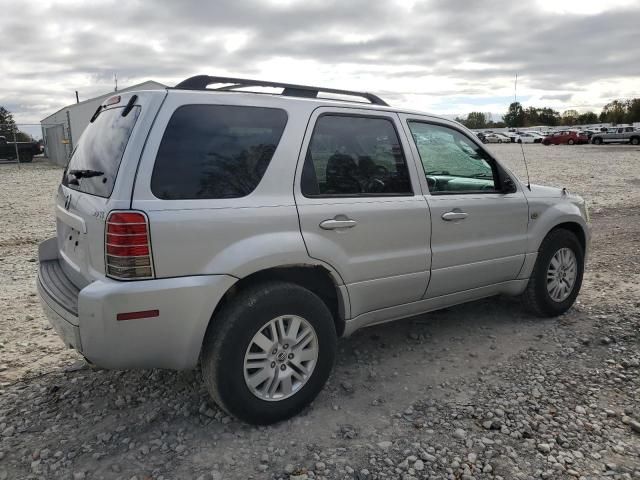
(527, 137)
(245, 232)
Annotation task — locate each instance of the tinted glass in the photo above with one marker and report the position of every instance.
(452, 163)
(99, 152)
(215, 151)
(355, 156)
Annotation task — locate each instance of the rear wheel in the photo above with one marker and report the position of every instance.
(635, 141)
(596, 141)
(25, 158)
(557, 275)
(546, 142)
(571, 142)
(269, 352)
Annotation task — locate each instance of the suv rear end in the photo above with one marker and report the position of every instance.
(97, 274)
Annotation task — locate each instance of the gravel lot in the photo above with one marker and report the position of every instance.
(483, 390)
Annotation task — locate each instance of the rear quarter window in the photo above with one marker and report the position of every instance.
(215, 151)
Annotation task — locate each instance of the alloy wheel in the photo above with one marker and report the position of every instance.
(281, 358)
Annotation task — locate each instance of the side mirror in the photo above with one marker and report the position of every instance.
(508, 186)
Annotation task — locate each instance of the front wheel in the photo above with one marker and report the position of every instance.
(635, 141)
(25, 158)
(557, 275)
(571, 142)
(268, 353)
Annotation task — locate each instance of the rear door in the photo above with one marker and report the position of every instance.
(361, 208)
(479, 231)
(99, 178)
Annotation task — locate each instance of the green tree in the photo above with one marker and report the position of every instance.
(548, 116)
(531, 117)
(633, 110)
(570, 117)
(476, 120)
(9, 129)
(587, 117)
(7, 124)
(515, 115)
(614, 112)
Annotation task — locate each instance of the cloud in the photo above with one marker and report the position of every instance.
(444, 56)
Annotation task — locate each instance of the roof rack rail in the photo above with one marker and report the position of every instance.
(201, 82)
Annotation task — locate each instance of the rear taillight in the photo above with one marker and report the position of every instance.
(128, 246)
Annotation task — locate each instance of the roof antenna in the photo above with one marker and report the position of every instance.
(524, 158)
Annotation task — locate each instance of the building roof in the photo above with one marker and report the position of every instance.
(138, 86)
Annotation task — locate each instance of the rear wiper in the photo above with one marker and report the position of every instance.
(85, 173)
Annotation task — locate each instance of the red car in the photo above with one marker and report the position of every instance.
(565, 138)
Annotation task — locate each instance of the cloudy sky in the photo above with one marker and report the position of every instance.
(442, 56)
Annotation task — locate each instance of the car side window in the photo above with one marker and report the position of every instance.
(216, 151)
(453, 163)
(352, 155)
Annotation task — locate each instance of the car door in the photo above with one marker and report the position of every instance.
(360, 206)
(479, 215)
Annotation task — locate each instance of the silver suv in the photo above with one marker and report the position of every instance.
(247, 231)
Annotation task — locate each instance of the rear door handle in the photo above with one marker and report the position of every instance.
(450, 216)
(333, 224)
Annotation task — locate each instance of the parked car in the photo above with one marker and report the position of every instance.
(527, 137)
(617, 135)
(184, 243)
(565, 138)
(494, 138)
(480, 135)
(21, 151)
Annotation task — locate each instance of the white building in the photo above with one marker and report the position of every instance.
(63, 128)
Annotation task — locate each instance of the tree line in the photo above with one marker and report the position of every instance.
(8, 127)
(615, 112)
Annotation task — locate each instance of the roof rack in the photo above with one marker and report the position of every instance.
(201, 82)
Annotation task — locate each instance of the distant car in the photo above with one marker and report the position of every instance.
(617, 135)
(21, 151)
(496, 138)
(527, 137)
(565, 138)
(539, 136)
(505, 137)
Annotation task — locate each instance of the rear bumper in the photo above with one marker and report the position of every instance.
(170, 340)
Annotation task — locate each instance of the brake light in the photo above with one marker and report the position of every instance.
(128, 246)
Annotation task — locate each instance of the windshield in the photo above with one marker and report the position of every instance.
(95, 160)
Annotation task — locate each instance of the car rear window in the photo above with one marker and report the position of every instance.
(216, 151)
(95, 161)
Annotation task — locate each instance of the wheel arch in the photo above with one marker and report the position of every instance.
(315, 278)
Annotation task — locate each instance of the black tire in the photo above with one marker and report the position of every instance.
(536, 297)
(635, 141)
(571, 142)
(546, 142)
(24, 158)
(499, 141)
(230, 333)
(596, 141)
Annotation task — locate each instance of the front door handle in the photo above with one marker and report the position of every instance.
(335, 223)
(450, 216)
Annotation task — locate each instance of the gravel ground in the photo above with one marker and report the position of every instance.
(483, 390)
